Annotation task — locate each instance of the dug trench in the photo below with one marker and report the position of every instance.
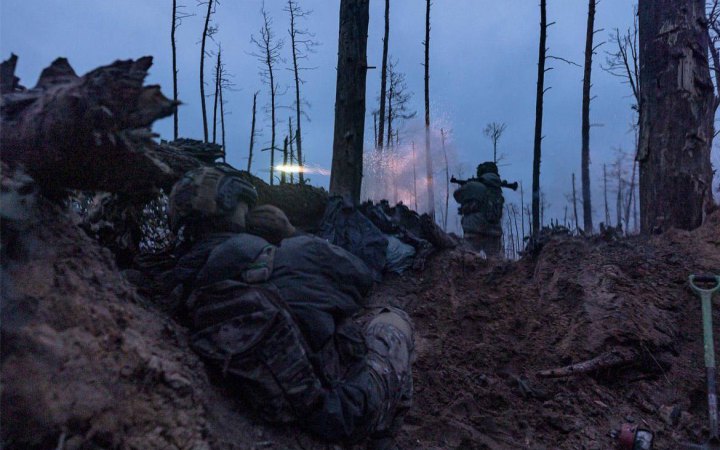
(87, 362)
(554, 351)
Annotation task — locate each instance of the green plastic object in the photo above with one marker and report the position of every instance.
(706, 294)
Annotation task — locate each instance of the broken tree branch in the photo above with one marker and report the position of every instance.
(612, 358)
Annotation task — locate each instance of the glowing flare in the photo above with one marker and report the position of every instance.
(293, 168)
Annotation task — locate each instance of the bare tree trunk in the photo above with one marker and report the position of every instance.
(585, 163)
(174, 67)
(375, 130)
(414, 175)
(292, 151)
(383, 77)
(522, 209)
(216, 97)
(298, 110)
(447, 180)
(518, 238)
(202, 69)
(618, 204)
(222, 117)
(676, 115)
(283, 175)
(252, 132)
(347, 163)
(631, 194)
(428, 156)
(537, 148)
(389, 118)
(574, 200)
(607, 208)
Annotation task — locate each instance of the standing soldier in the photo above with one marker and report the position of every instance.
(481, 206)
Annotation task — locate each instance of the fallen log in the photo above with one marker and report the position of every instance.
(607, 360)
(89, 132)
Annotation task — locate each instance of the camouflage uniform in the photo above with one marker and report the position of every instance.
(282, 324)
(481, 206)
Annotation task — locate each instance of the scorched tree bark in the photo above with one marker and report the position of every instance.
(347, 164)
(676, 115)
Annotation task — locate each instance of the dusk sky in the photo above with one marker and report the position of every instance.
(483, 67)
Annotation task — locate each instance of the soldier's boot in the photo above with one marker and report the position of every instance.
(390, 343)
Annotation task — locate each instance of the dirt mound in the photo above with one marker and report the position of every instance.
(86, 362)
(486, 329)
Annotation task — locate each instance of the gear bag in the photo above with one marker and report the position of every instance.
(247, 333)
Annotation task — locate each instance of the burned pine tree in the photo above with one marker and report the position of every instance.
(216, 97)
(428, 156)
(537, 147)
(494, 132)
(252, 132)
(347, 162)
(585, 151)
(623, 63)
(207, 32)
(177, 17)
(302, 43)
(447, 179)
(398, 98)
(383, 78)
(268, 54)
(677, 106)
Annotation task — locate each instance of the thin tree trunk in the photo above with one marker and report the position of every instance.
(216, 97)
(414, 175)
(522, 209)
(298, 109)
(537, 148)
(283, 174)
(390, 118)
(607, 208)
(428, 157)
(222, 118)
(574, 200)
(585, 157)
(202, 70)
(252, 133)
(272, 134)
(631, 194)
(375, 130)
(292, 151)
(618, 204)
(518, 238)
(174, 67)
(447, 180)
(677, 108)
(383, 77)
(347, 163)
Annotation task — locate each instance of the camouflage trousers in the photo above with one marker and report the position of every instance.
(247, 332)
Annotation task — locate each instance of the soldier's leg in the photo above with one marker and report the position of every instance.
(372, 401)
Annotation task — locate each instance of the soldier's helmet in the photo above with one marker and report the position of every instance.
(270, 223)
(211, 195)
(487, 167)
